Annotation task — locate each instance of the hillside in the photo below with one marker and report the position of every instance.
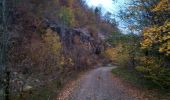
(51, 40)
(100, 51)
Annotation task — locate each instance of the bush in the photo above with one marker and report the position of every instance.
(118, 55)
(45, 54)
(153, 69)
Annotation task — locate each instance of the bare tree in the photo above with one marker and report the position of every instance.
(4, 72)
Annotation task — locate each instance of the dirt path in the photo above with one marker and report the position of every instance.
(97, 84)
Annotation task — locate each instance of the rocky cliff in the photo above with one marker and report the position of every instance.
(79, 44)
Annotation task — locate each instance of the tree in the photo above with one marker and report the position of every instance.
(138, 14)
(108, 16)
(157, 36)
(98, 13)
(151, 19)
(5, 73)
(66, 15)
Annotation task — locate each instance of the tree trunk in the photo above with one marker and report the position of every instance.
(3, 66)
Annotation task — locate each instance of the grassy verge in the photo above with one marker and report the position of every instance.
(135, 80)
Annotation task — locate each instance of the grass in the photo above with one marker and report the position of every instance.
(134, 79)
(126, 75)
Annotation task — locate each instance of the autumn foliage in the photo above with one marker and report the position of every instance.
(151, 21)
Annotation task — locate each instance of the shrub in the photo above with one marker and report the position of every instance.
(118, 55)
(45, 54)
(152, 69)
(52, 41)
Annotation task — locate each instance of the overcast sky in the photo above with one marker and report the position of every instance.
(112, 6)
(107, 5)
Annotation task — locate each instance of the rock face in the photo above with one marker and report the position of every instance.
(79, 44)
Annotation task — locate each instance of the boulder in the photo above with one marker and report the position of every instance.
(27, 88)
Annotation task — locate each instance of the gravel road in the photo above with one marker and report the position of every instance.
(98, 85)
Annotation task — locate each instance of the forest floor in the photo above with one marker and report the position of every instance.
(100, 84)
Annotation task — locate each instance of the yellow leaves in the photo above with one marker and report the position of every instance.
(66, 61)
(148, 65)
(70, 61)
(161, 49)
(165, 48)
(111, 53)
(53, 46)
(165, 27)
(164, 38)
(157, 35)
(151, 36)
(62, 61)
(147, 60)
(165, 42)
(146, 43)
(118, 55)
(163, 5)
(152, 68)
(52, 41)
(46, 52)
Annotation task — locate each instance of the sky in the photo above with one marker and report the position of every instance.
(112, 6)
(107, 5)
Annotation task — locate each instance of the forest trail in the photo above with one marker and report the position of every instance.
(97, 84)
